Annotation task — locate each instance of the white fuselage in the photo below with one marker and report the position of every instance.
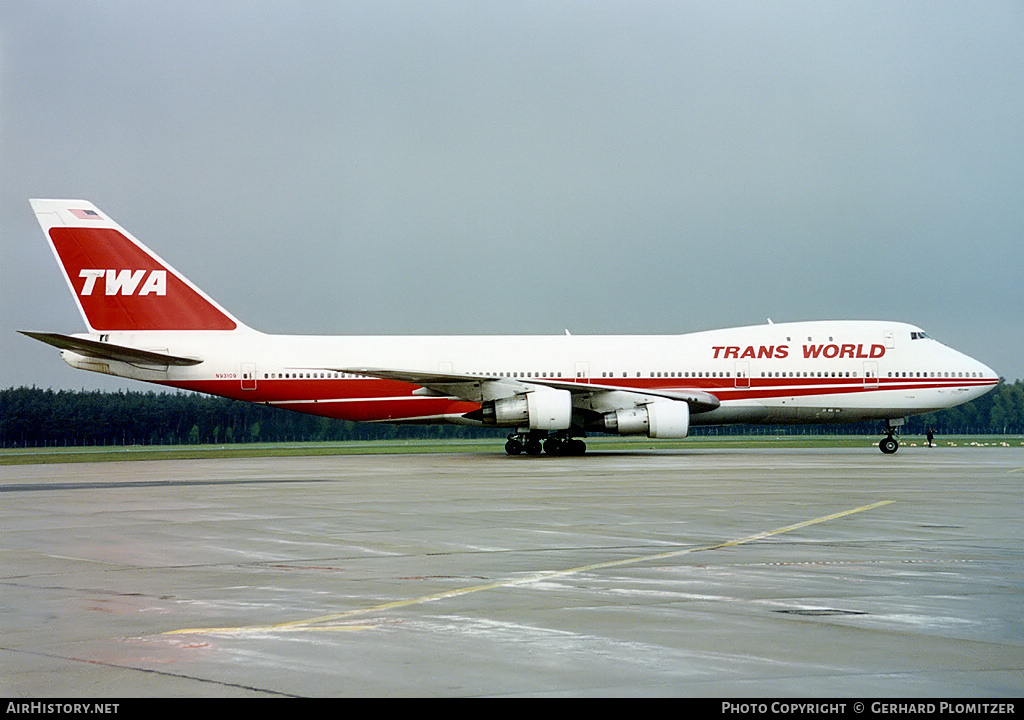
(821, 371)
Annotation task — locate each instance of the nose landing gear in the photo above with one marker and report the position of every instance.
(890, 444)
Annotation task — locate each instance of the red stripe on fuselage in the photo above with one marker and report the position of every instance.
(370, 399)
(357, 399)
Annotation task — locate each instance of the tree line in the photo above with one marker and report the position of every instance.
(31, 417)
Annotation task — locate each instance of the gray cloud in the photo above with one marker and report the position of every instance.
(491, 167)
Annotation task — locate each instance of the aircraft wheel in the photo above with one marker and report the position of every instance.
(533, 447)
(577, 447)
(554, 446)
(513, 447)
(889, 445)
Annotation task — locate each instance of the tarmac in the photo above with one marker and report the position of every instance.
(786, 573)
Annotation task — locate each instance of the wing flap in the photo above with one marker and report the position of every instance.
(698, 400)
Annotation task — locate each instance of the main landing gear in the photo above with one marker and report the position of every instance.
(889, 444)
(537, 441)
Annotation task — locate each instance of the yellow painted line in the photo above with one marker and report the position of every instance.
(321, 622)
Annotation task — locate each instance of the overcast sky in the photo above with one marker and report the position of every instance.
(525, 167)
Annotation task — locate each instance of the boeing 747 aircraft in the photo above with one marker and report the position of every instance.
(146, 321)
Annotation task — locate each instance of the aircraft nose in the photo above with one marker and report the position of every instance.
(982, 369)
(989, 379)
(988, 372)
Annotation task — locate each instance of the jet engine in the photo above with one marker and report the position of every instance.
(659, 419)
(542, 409)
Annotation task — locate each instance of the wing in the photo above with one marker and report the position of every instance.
(482, 388)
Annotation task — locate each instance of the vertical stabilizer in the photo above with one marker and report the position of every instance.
(119, 284)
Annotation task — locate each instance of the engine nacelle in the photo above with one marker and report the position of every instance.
(544, 409)
(659, 419)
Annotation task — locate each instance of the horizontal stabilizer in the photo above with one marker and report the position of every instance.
(109, 351)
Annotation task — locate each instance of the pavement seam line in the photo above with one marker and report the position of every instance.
(322, 622)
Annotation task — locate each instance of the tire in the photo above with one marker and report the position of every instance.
(554, 446)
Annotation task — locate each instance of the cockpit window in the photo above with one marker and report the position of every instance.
(918, 335)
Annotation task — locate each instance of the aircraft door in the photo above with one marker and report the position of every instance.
(871, 374)
(582, 371)
(248, 376)
(742, 374)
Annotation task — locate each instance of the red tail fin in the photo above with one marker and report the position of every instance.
(119, 283)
